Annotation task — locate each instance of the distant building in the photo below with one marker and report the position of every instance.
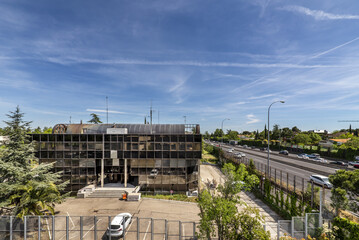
(320, 131)
(339, 141)
(158, 157)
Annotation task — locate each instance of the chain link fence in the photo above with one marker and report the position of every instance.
(92, 228)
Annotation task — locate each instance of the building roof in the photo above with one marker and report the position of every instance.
(131, 128)
(340, 140)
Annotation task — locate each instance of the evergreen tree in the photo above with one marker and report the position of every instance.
(265, 131)
(26, 187)
(350, 128)
(95, 119)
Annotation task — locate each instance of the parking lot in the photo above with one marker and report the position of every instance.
(152, 219)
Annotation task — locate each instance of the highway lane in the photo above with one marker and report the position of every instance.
(261, 158)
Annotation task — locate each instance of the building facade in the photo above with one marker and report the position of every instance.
(158, 157)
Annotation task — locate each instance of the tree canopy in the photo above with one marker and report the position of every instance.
(95, 119)
(220, 217)
(26, 187)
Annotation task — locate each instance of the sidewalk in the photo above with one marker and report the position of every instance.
(208, 173)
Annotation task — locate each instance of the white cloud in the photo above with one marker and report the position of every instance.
(104, 111)
(263, 96)
(318, 14)
(252, 119)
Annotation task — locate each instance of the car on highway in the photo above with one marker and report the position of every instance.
(240, 154)
(245, 146)
(353, 163)
(118, 225)
(253, 147)
(356, 165)
(320, 180)
(230, 150)
(341, 163)
(284, 152)
(264, 149)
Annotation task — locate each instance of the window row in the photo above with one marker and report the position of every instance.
(115, 138)
(120, 154)
(43, 146)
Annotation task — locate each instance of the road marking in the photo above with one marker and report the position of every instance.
(70, 219)
(91, 228)
(48, 229)
(129, 227)
(149, 222)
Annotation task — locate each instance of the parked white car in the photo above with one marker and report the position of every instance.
(118, 224)
(321, 180)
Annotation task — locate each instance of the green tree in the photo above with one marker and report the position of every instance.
(219, 209)
(95, 119)
(295, 129)
(287, 133)
(232, 135)
(206, 135)
(276, 132)
(349, 181)
(339, 199)
(218, 133)
(314, 138)
(26, 187)
(302, 138)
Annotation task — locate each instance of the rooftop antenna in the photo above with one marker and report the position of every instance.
(185, 119)
(107, 109)
(158, 117)
(70, 119)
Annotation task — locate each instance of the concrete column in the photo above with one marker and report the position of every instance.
(125, 173)
(102, 171)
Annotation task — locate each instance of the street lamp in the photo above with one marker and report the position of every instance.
(268, 173)
(220, 146)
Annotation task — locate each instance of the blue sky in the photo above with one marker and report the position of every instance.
(207, 60)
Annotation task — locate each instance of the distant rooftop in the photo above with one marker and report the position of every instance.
(127, 128)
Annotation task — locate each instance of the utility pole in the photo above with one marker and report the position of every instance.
(107, 109)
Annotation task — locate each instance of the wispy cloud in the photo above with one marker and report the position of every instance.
(262, 96)
(251, 119)
(104, 111)
(318, 14)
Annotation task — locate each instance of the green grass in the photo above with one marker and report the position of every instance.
(176, 197)
(207, 157)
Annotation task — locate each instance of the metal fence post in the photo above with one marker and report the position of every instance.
(124, 230)
(152, 229)
(294, 183)
(11, 227)
(180, 230)
(138, 228)
(109, 227)
(292, 230)
(194, 230)
(287, 182)
(95, 227)
(81, 228)
(25, 219)
(53, 227)
(278, 230)
(67, 227)
(39, 228)
(312, 196)
(306, 225)
(166, 236)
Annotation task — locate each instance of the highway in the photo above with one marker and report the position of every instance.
(302, 169)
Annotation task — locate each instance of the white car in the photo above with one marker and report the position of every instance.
(321, 180)
(230, 150)
(154, 172)
(118, 224)
(240, 154)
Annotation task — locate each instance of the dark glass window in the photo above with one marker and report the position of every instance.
(158, 146)
(99, 138)
(173, 138)
(91, 138)
(189, 138)
(197, 138)
(51, 137)
(134, 146)
(181, 138)
(98, 154)
(166, 138)
(114, 138)
(59, 138)
(107, 154)
(120, 138)
(36, 137)
(75, 138)
(127, 154)
(83, 138)
(134, 138)
(173, 154)
(166, 146)
(150, 154)
(91, 154)
(158, 154)
(166, 154)
(142, 154)
(107, 146)
(59, 154)
(107, 138)
(158, 138)
(44, 137)
(83, 154)
(75, 162)
(127, 139)
(68, 138)
(182, 154)
(134, 154)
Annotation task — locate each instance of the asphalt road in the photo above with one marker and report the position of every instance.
(260, 157)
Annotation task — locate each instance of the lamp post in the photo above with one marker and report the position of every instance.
(220, 146)
(268, 173)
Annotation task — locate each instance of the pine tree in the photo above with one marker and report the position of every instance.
(95, 119)
(265, 131)
(26, 187)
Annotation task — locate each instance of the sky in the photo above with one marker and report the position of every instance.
(207, 60)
